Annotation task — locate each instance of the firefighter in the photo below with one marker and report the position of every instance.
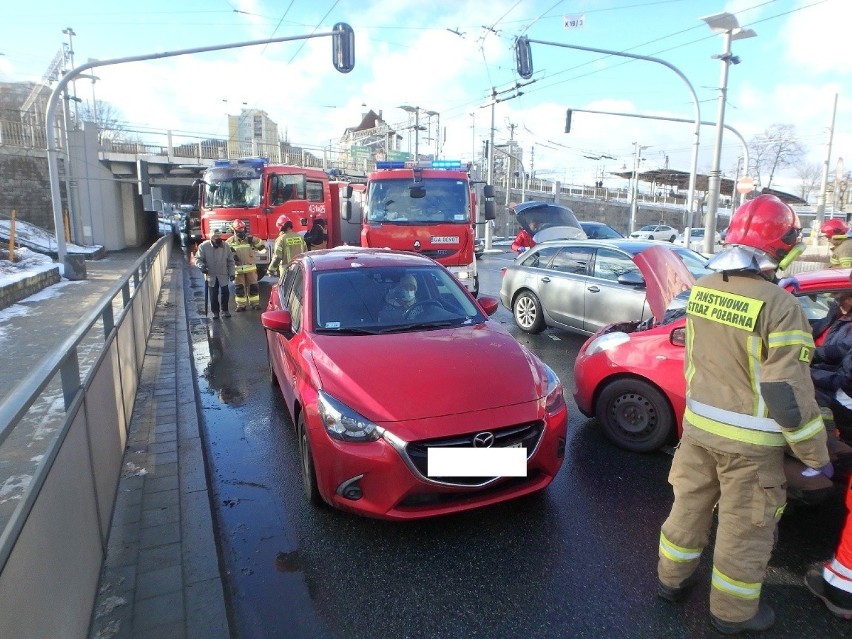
(749, 395)
(833, 582)
(244, 246)
(836, 231)
(317, 237)
(288, 245)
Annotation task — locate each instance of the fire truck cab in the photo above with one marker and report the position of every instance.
(258, 193)
(425, 207)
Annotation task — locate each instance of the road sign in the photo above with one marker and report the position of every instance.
(745, 184)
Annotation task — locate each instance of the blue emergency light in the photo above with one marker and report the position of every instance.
(434, 164)
(385, 165)
(255, 162)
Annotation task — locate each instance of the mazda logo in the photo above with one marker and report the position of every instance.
(417, 244)
(483, 440)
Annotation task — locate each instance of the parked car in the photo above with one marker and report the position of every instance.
(373, 395)
(581, 285)
(696, 238)
(630, 377)
(600, 231)
(655, 232)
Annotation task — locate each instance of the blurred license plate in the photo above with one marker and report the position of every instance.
(509, 461)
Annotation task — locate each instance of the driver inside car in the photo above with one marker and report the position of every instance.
(400, 302)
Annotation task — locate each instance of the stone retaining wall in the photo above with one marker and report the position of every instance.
(16, 291)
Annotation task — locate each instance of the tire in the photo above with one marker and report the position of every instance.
(306, 464)
(527, 312)
(634, 415)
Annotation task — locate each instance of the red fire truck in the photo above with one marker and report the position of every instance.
(427, 207)
(257, 192)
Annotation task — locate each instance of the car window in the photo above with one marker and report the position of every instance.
(574, 260)
(540, 258)
(294, 298)
(610, 264)
(816, 306)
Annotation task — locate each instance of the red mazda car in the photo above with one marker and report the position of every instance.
(630, 376)
(388, 367)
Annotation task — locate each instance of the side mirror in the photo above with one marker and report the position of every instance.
(489, 210)
(347, 210)
(343, 48)
(488, 191)
(523, 57)
(632, 278)
(277, 321)
(488, 304)
(348, 191)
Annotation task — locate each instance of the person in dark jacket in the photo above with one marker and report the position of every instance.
(317, 237)
(833, 337)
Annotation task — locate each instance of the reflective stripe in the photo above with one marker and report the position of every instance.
(754, 347)
(677, 553)
(790, 338)
(805, 432)
(832, 576)
(736, 433)
(733, 587)
(843, 398)
(839, 569)
(765, 424)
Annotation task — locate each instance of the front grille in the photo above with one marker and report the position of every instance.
(526, 435)
(419, 501)
(437, 254)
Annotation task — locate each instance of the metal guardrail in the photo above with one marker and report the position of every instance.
(82, 463)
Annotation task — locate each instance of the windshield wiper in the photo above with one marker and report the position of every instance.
(347, 330)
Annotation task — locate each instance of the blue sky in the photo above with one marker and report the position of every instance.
(445, 56)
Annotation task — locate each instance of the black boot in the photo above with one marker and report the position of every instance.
(763, 620)
(835, 599)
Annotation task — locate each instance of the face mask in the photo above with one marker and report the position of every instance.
(217, 243)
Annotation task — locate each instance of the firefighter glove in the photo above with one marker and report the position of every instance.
(827, 470)
(792, 282)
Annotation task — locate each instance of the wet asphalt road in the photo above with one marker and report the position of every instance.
(578, 560)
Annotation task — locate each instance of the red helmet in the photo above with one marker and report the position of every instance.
(834, 226)
(767, 224)
(239, 227)
(281, 221)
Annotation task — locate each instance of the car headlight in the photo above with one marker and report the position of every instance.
(606, 342)
(341, 422)
(554, 397)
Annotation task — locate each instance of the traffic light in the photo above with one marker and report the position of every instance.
(523, 57)
(343, 47)
(568, 121)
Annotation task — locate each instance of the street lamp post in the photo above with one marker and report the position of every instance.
(634, 191)
(727, 25)
(524, 65)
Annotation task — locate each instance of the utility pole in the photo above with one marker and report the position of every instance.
(820, 208)
(488, 235)
(634, 194)
(509, 164)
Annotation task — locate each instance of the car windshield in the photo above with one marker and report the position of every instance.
(695, 262)
(390, 299)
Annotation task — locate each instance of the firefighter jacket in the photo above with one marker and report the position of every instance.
(218, 262)
(287, 246)
(841, 255)
(244, 250)
(753, 386)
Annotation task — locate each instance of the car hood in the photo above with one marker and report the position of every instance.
(407, 376)
(552, 221)
(665, 275)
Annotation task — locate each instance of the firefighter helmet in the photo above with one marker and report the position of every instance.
(763, 235)
(239, 228)
(834, 226)
(281, 221)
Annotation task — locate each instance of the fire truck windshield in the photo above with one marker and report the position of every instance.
(232, 192)
(433, 201)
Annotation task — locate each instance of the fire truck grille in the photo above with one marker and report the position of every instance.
(521, 435)
(437, 254)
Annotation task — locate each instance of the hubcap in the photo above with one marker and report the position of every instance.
(525, 312)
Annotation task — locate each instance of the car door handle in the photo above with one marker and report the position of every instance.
(545, 279)
(593, 289)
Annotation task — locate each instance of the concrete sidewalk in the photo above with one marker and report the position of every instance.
(161, 576)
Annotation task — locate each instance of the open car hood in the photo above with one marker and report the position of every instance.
(545, 221)
(666, 276)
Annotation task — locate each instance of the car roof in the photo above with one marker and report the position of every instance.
(628, 245)
(342, 257)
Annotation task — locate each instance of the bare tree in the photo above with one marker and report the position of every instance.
(809, 174)
(776, 148)
(107, 118)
